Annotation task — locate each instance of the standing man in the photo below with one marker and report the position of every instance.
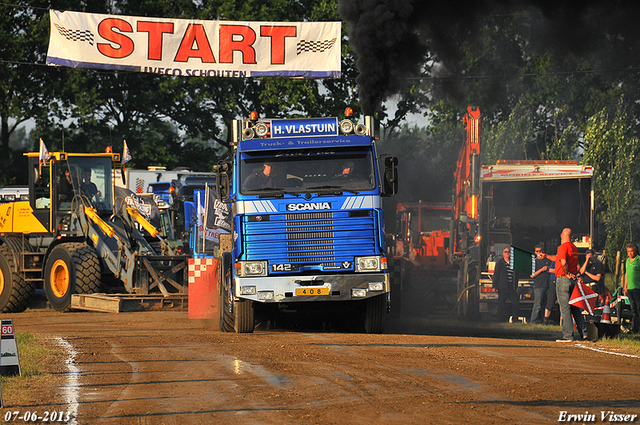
(504, 281)
(632, 284)
(551, 295)
(566, 270)
(592, 274)
(592, 271)
(540, 284)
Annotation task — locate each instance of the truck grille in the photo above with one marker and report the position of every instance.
(326, 239)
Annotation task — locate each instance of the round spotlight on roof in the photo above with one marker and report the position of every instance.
(346, 126)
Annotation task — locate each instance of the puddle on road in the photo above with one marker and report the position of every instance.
(460, 382)
(240, 367)
(71, 391)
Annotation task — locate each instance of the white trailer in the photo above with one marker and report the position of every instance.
(525, 203)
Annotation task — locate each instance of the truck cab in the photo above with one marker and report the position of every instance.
(308, 227)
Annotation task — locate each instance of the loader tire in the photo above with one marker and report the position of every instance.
(72, 268)
(15, 292)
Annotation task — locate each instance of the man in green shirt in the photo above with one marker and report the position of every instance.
(632, 284)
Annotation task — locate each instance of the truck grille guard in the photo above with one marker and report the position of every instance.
(325, 240)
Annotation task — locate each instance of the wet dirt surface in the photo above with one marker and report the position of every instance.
(162, 368)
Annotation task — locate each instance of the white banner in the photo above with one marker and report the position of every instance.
(195, 48)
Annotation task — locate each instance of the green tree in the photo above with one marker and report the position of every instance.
(613, 149)
(165, 120)
(23, 84)
(108, 107)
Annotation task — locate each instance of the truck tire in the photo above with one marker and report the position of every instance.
(72, 268)
(244, 320)
(226, 308)
(235, 316)
(15, 292)
(375, 310)
(226, 300)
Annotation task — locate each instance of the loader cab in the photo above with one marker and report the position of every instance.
(65, 182)
(89, 177)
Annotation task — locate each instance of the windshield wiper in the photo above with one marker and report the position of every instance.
(279, 191)
(339, 191)
(264, 189)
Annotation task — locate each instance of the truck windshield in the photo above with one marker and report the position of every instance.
(305, 170)
(92, 177)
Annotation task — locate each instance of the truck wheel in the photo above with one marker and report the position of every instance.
(15, 292)
(234, 315)
(244, 320)
(375, 309)
(72, 268)
(226, 308)
(226, 300)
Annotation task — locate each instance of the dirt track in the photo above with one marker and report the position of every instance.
(161, 367)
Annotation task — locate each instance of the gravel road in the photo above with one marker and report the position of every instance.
(162, 368)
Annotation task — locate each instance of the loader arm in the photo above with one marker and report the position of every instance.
(97, 230)
(149, 228)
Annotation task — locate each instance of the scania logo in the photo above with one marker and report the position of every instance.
(309, 206)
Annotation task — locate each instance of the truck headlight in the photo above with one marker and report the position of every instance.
(358, 293)
(376, 286)
(252, 268)
(368, 264)
(247, 290)
(265, 295)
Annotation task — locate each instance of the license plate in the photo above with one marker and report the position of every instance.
(312, 291)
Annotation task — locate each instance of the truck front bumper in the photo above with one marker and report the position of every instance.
(312, 287)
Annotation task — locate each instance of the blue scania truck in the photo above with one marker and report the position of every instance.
(308, 232)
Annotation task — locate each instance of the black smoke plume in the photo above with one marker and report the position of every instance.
(395, 39)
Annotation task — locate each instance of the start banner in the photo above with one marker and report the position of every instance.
(184, 47)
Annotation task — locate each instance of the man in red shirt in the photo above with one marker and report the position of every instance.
(566, 270)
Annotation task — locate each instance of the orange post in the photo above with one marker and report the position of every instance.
(203, 288)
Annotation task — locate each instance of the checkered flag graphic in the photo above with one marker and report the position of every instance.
(75, 35)
(314, 46)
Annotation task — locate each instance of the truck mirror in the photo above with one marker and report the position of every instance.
(390, 161)
(222, 186)
(390, 176)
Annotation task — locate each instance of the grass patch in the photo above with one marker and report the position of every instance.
(34, 354)
(624, 342)
(628, 343)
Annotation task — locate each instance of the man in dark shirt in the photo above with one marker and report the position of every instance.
(540, 278)
(592, 273)
(68, 183)
(504, 280)
(88, 186)
(260, 179)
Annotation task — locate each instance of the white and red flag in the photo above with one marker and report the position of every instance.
(126, 154)
(44, 155)
(583, 297)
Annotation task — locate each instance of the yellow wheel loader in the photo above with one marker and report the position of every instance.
(73, 236)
